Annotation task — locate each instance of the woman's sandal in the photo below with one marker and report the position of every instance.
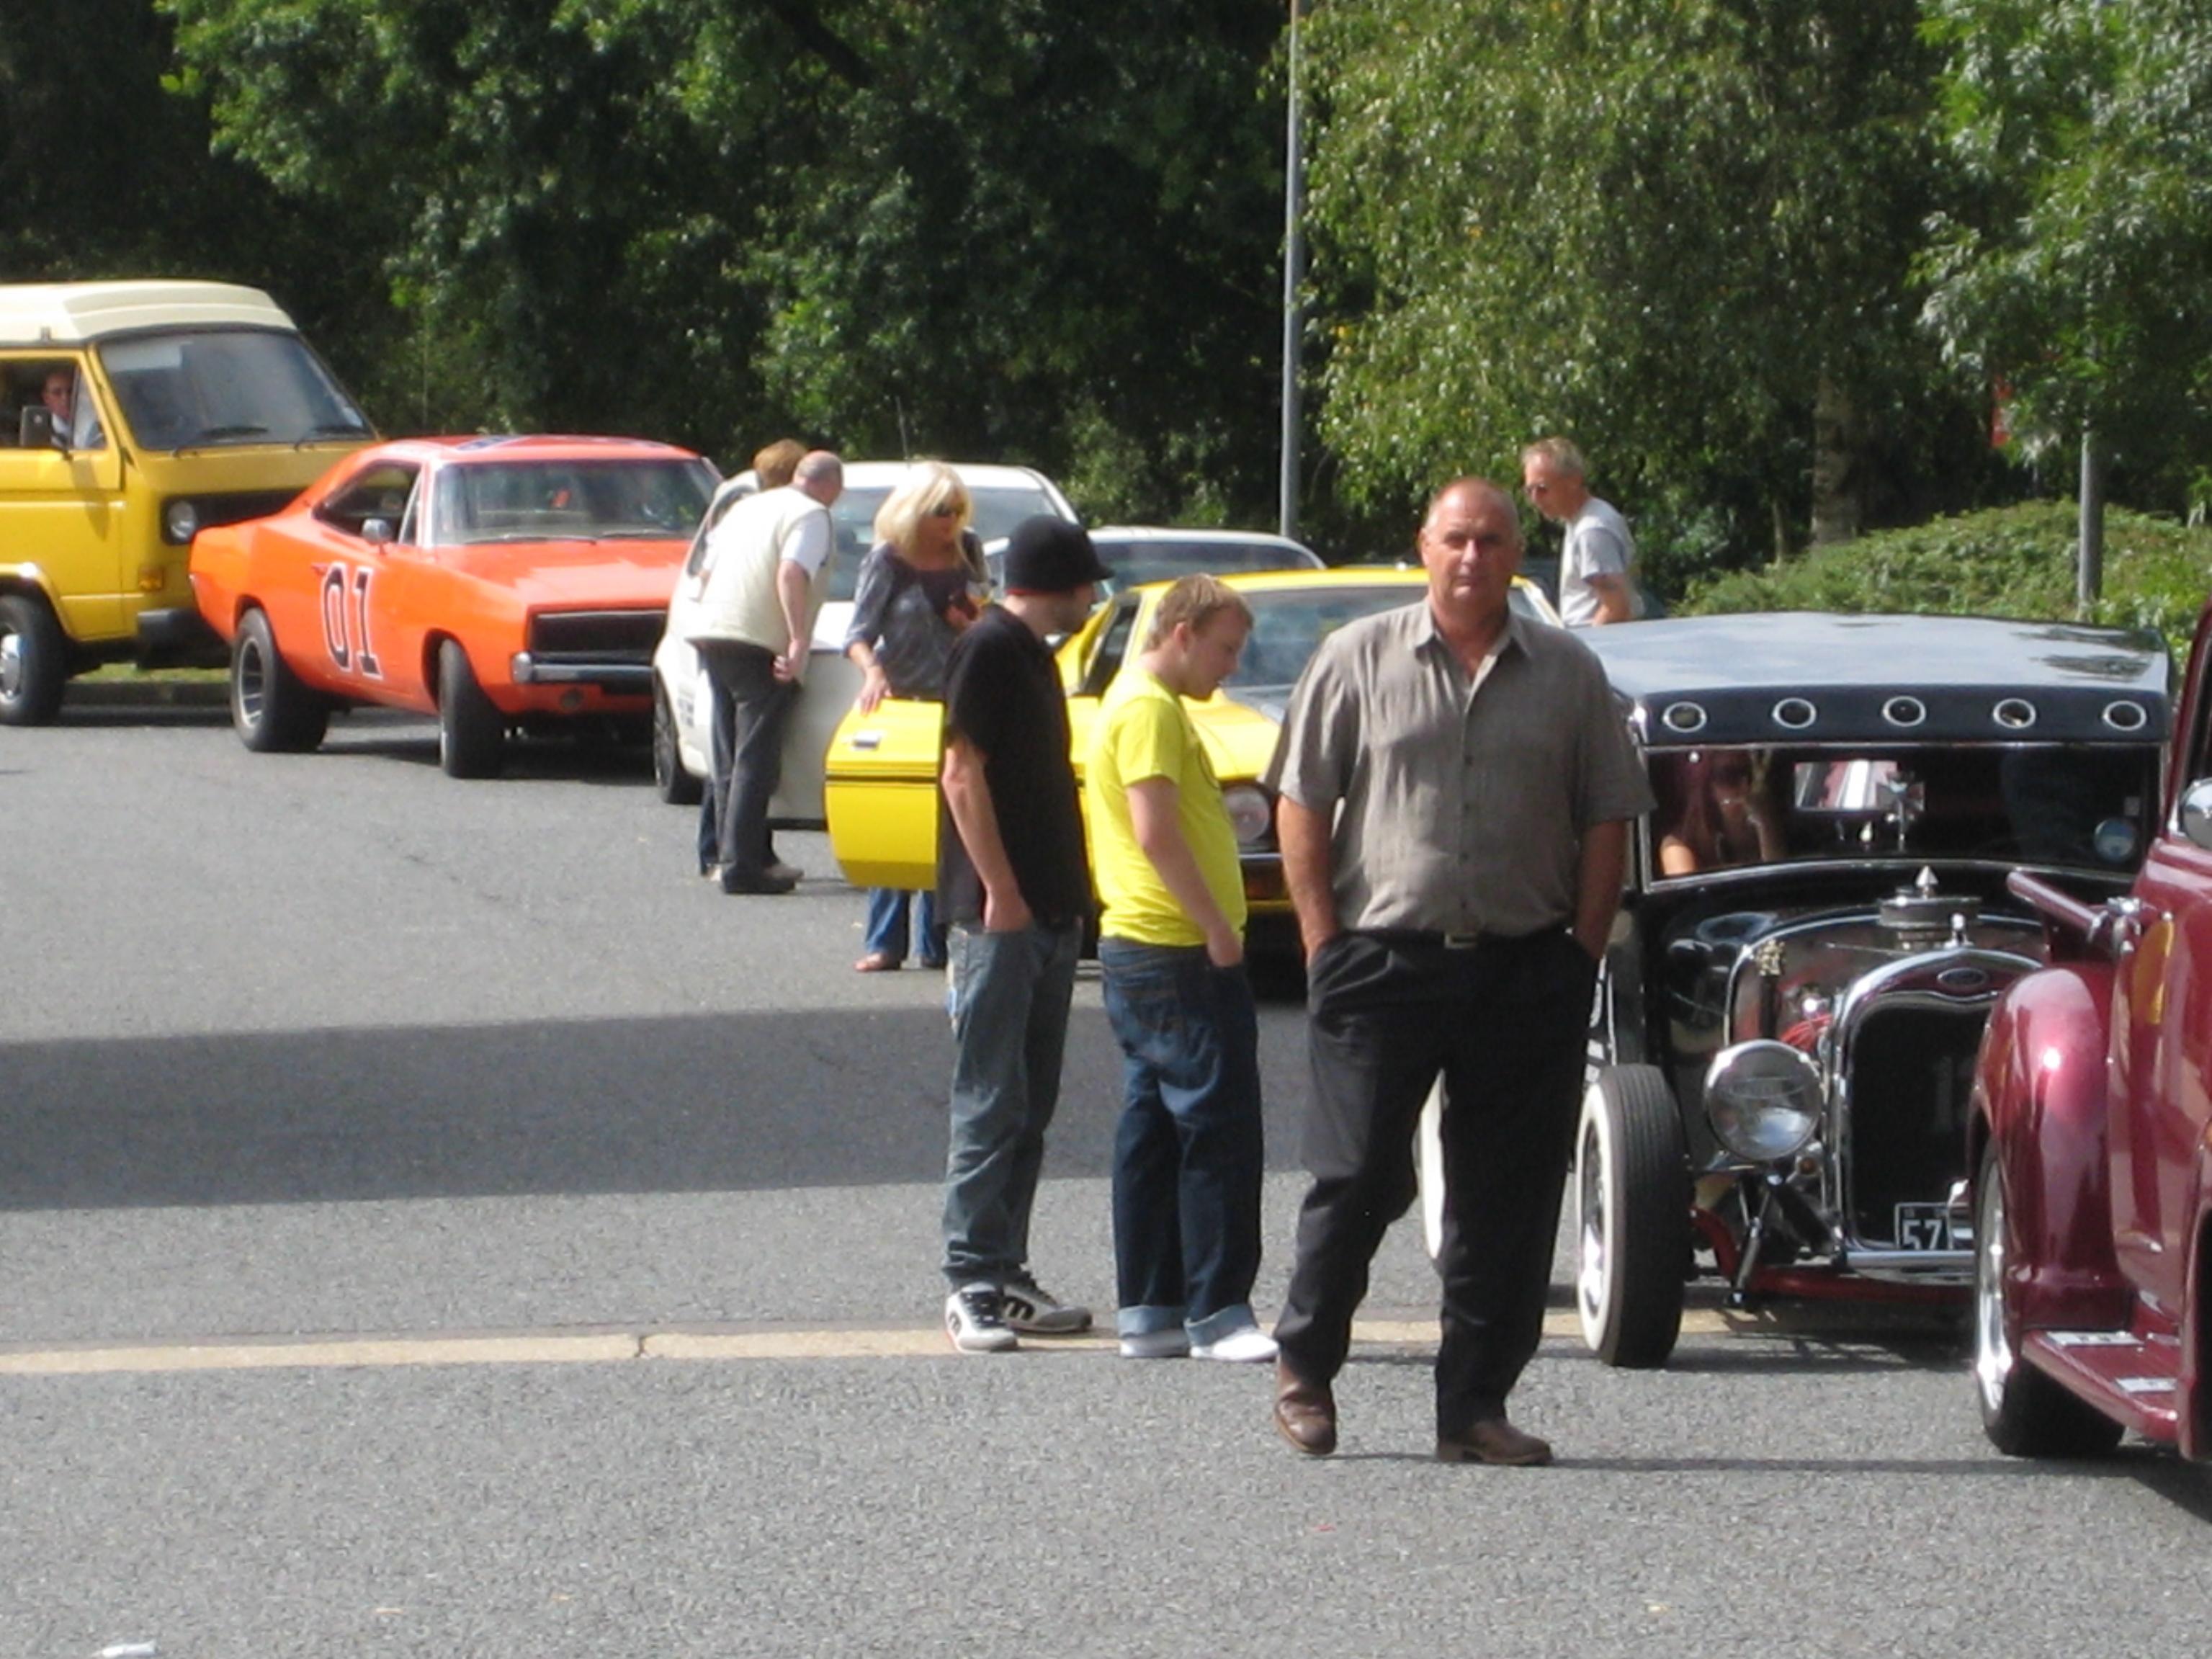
(877, 962)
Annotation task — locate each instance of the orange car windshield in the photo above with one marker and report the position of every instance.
(569, 500)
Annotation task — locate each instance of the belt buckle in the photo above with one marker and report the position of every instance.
(1461, 941)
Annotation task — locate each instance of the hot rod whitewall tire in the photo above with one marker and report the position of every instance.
(272, 711)
(472, 732)
(1631, 1187)
(674, 785)
(2024, 1412)
(33, 665)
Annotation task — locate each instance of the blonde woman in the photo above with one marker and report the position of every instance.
(920, 585)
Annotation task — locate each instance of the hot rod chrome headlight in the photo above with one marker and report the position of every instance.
(1250, 813)
(1763, 1099)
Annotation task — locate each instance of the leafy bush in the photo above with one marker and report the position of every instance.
(2006, 562)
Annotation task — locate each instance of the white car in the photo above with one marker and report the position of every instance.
(682, 741)
(1138, 554)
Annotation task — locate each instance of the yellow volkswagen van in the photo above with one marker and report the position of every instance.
(131, 414)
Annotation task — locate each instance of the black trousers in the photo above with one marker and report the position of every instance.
(1504, 1023)
(751, 708)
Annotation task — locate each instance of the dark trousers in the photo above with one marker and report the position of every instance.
(751, 708)
(1187, 1151)
(1504, 1023)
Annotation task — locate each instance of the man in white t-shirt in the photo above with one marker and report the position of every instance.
(1598, 555)
(765, 575)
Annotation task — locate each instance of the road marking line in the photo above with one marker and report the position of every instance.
(602, 1347)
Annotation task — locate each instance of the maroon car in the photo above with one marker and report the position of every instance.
(2091, 1140)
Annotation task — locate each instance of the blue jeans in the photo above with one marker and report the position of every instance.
(1187, 1153)
(887, 908)
(1010, 994)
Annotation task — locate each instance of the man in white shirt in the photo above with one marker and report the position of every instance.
(1598, 555)
(767, 572)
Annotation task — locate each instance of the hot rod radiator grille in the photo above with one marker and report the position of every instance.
(1911, 1071)
(597, 635)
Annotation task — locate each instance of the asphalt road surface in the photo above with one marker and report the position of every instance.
(432, 1221)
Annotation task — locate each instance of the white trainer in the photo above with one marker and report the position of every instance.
(1030, 1308)
(1173, 1343)
(1249, 1346)
(974, 1321)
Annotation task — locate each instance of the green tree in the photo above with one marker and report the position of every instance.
(2074, 269)
(1027, 230)
(1680, 230)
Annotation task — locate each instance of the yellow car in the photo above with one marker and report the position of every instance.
(880, 782)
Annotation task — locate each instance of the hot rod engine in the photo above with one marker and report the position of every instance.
(1881, 1016)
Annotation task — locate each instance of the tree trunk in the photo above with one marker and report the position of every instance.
(1837, 509)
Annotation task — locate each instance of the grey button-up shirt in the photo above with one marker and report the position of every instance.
(1457, 810)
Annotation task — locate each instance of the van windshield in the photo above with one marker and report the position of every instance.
(197, 388)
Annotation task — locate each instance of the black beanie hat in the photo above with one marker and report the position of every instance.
(1048, 555)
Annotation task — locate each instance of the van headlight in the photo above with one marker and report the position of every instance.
(180, 521)
(1763, 1099)
(1251, 814)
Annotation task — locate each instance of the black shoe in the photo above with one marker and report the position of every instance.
(741, 881)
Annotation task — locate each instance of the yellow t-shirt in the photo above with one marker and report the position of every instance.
(1143, 731)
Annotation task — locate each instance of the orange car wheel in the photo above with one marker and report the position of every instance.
(472, 732)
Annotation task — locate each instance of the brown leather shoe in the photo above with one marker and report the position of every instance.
(1492, 1440)
(1305, 1412)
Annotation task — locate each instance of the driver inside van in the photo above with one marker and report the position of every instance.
(73, 429)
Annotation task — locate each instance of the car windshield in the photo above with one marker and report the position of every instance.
(2078, 805)
(1289, 625)
(1161, 559)
(569, 500)
(206, 388)
(997, 511)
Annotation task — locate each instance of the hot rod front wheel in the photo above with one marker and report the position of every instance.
(1631, 1217)
(2024, 1412)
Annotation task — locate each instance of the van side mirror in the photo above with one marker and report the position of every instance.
(36, 430)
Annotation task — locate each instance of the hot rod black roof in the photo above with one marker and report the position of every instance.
(1808, 677)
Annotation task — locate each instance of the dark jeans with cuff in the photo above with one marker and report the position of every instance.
(1187, 1151)
(1504, 1023)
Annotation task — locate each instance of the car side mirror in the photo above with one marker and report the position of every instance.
(35, 429)
(377, 532)
(2197, 812)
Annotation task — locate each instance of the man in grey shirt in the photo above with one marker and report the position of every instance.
(1455, 784)
(1597, 556)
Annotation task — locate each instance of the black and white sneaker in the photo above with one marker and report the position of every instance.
(1029, 1307)
(975, 1321)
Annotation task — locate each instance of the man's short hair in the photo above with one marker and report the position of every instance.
(1562, 455)
(818, 465)
(1196, 600)
(775, 465)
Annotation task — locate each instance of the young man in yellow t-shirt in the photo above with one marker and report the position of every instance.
(1188, 1153)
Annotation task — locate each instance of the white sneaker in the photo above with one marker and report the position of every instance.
(1249, 1346)
(974, 1323)
(1169, 1344)
(1029, 1307)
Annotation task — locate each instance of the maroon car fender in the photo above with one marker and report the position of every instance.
(2040, 1082)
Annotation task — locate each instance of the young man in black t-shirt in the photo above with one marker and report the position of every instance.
(1013, 886)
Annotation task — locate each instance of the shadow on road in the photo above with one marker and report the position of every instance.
(696, 1103)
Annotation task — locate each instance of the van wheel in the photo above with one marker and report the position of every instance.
(272, 711)
(32, 669)
(472, 732)
(674, 785)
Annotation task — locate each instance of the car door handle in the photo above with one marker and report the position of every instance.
(867, 739)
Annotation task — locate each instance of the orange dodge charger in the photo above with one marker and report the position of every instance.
(495, 582)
